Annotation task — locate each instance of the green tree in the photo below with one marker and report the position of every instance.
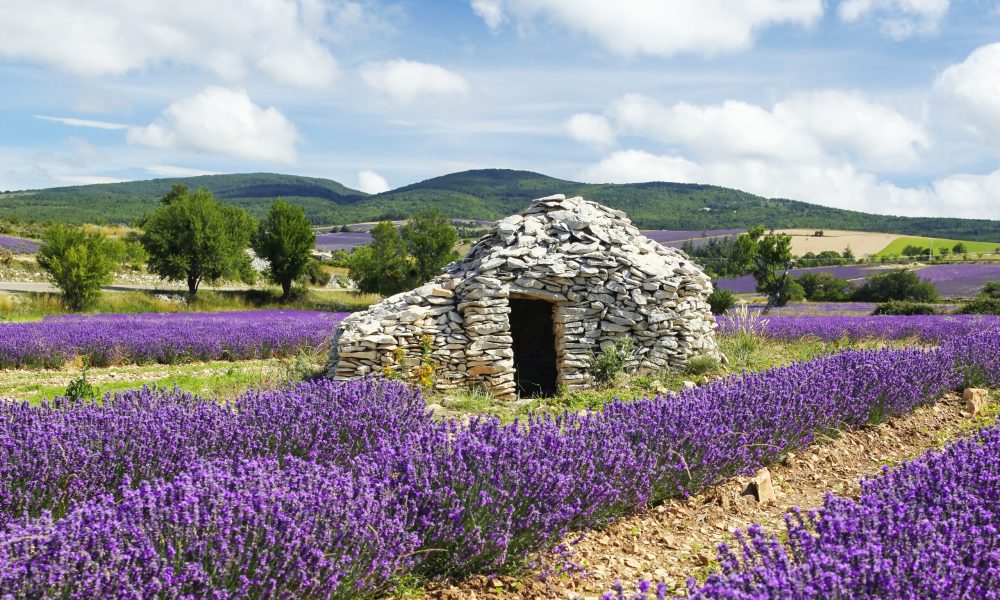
(78, 262)
(195, 239)
(384, 266)
(286, 240)
(900, 284)
(767, 257)
(823, 287)
(959, 248)
(430, 240)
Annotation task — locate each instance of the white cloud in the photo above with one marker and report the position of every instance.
(282, 38)
(404, 81)
(83, 122)
(898, 19)
(658, 27)
(974, 86)
(174, 171)
(490, 11)
(222, 121)
(805, 128)
(371, 182)
(831, 184)
(591, 129)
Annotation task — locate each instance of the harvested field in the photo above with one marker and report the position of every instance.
(862, 243)
(677, 539)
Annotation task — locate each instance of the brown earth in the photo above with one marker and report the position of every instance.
(677, 539)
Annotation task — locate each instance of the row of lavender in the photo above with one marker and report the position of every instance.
(162, 337)
(335, 490)
(925, 328)
(927, 529)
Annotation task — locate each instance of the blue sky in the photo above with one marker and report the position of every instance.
(889, 106)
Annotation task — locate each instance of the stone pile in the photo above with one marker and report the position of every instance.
(604, 279)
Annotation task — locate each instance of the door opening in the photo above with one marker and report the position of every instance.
(534, 347)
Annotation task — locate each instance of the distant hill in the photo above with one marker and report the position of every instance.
(485, 194)
(127, 202)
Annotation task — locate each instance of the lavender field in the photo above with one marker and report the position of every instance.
(922, 328)
(343, 240)
(162, 337)
(342, 488)
(676, 239)
(18, 245)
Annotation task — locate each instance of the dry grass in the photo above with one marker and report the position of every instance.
(861, 243)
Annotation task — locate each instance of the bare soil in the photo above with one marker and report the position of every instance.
(677, 540)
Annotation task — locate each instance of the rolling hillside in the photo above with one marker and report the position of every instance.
(482, 194)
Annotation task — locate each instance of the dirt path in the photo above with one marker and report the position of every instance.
(677, 540)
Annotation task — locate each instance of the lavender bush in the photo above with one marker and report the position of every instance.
(928, 528)
(18, 245)
(162, 337)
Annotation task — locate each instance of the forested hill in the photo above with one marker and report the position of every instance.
(485, 194)
(128, 201)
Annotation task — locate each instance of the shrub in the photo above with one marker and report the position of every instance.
(991, 289)
(612, 362)
(721, 300)
(824, 287)
(904, 307)
(78, 263)
(316, 275)
(900, 284)
(982, 305)
(699, 365)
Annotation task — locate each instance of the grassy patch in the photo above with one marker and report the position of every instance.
(216, 379)
(26, 306)
(896, 246)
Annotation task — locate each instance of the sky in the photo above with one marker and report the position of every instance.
(887, 106)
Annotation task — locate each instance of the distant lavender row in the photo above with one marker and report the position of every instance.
(403, 492)
(343, 240)
(677, 238)
(18, 245)
(926, 328)
(162, 337)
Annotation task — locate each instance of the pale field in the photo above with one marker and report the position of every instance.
(862, 243)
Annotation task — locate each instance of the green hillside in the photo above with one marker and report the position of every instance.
(128, 201)
(485, 194)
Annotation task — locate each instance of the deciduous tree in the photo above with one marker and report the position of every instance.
(286, 240)
(78, 262)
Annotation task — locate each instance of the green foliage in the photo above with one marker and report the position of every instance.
(913, 250)
(398, 261)
(78, 262)
(721, 300)
(824, 259)
(980, 305)
(80, 388)
(959, 248)
(194, 238)
(714, 254)
(286, 240)
(384, 266)
(824, 287)
(610, 365)
(991, 289)
(700, 365)
(767, 257)
(904, 307)
(900, 284)
(316, 274)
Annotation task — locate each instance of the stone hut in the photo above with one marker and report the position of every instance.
(533, 301)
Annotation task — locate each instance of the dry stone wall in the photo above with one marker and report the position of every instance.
(605, 280)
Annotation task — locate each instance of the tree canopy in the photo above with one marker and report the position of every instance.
(286, 240)
(768, 257)
(194, 238)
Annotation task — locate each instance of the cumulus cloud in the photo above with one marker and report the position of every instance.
(405, 81)
(897, 19)
(808, 127)
(222, 121)
(283, 38)
(832, 184)
(974, 86)
(371, 182)
(658, 27)
(591, 129)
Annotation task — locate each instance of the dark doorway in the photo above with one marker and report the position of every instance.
(534, 347)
